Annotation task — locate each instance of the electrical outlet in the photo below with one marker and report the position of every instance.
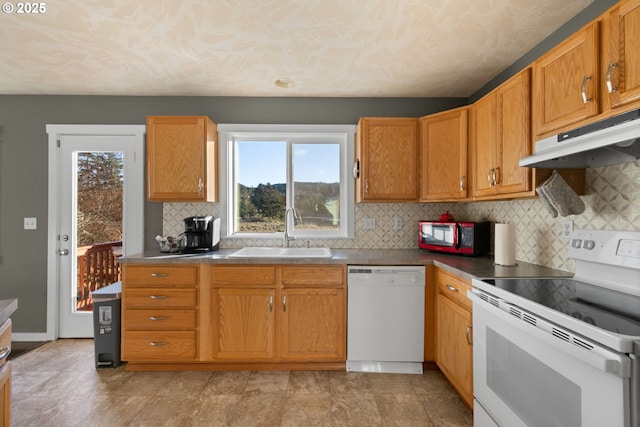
(369, 223)
(397, 223)
(567, 229)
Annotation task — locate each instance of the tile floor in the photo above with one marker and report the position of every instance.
(57, 385)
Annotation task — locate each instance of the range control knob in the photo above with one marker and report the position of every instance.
(588, 244)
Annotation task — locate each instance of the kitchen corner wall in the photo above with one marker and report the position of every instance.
(612, 202)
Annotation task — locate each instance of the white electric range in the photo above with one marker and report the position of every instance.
(562, 351)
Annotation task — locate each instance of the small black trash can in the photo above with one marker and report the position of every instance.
(106, 325)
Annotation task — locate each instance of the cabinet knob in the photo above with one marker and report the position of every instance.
(156, 318)
(462, 183)
(199, 185)
(468, 334)
(157, 343)
(158, 297)
(451, 288)
(4, 352)
(284, 303)
(610, 68)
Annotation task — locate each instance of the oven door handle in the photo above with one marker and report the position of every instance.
(597, 356)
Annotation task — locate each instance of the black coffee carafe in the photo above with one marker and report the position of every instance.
(202, 233)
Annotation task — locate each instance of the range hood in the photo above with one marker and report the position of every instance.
(608, 142)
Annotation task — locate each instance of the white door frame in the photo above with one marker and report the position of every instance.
(54, 131)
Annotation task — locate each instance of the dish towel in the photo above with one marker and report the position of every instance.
(556, 195)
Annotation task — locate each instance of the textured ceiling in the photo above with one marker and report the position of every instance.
(342, 48)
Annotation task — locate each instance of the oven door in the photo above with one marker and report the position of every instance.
(525, 375)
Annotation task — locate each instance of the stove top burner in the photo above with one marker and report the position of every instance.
(607, 309)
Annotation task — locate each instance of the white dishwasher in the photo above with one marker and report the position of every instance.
(385, 319)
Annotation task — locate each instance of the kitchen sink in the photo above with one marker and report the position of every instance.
(267, 252)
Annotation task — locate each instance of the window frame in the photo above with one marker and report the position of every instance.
(344, 135)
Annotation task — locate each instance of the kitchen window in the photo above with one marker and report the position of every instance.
(269, 169)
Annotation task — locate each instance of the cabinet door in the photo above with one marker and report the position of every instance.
(387, 149)
(454, 354)
(514, 127)
(5, 395)
(244, 324)
(180, 151)
(443, 151)
(565, 82)
(313, 325)
(622, 53)
(484, 145)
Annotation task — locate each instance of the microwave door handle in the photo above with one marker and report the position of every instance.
(457, 237)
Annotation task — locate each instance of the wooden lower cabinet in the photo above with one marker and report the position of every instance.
(160, 309)
(454, 331)
(244, 324)
(313, 324)
(5, 374)
(279, 314)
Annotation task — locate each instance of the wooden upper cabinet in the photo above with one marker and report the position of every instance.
(484, 144)
(514, 134)
(443, 155)
(182, 159)
(501, 132)
(566, 82)
(621, 55)
(387, 156)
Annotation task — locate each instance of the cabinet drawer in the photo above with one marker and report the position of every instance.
(244, 275)
(5, 341)
(310, 276)
(160, 345)
(159, 298)
(184, 275)
(453, 287)
(145, 320)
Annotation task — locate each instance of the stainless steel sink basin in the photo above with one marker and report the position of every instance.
(264, 252)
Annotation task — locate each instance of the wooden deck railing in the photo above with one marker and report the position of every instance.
(97, 268)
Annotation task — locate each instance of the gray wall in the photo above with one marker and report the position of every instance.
(24, 151)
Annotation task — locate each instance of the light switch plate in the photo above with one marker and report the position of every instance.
(31, 223)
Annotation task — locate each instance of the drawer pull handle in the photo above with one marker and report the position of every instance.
(154, 318)
(4, 352)
(158, 297)
(159, 274)
(451, 288)
(157, 343)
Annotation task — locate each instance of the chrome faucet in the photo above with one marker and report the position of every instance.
(287, 237)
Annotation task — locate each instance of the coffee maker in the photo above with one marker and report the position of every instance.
(202, 233)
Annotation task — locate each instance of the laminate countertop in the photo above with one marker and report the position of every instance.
(7, 308)
(466, 267)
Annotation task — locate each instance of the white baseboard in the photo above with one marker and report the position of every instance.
(30, 336)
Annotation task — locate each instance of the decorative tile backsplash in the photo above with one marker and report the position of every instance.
(612, 202)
